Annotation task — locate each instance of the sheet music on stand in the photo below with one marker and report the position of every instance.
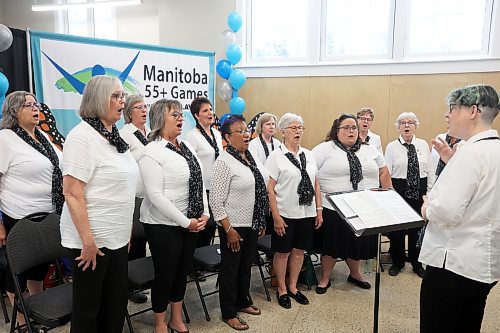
(375, 211)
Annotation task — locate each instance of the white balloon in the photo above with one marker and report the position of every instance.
(5, 38)
(224, 90)
(227, 37)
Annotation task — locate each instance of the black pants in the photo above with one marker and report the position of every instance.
(206, 235)
(397, 238)
(137, 244)
(100, 295)
(235, 272)
(172, 250)
(451, 303)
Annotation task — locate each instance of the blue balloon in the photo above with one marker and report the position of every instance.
(4, 84)
(224, 68)
(2, 99)
(233, 53)
(237, 105)
(237, 79)
(223, 118)
(234, 21)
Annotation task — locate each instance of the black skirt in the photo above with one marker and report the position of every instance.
(336, 239)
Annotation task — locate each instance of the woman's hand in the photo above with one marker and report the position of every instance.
(279, 226)
(262, 232)
(196, 225)
(3, 235)
(204, 220)
(319, 219)
(233, 240)
(88, 255)
(423, 210)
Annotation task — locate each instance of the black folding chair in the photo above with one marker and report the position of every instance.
(3, 292)
(30, 244)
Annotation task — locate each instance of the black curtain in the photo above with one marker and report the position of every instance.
(14, 63)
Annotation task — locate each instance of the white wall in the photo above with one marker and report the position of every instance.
(1, 12)
(18, 14)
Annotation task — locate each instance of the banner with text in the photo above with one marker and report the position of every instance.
(63, 64)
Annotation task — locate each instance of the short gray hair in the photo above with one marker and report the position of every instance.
(406, 115)
(366, 110)
(289, 118)
(96, 96)
(157, 116)
(264, 118)
(129, 103)
(13, 102)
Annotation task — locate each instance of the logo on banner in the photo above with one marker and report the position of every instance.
(76, 82)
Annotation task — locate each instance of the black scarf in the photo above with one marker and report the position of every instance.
(113, 138)
(46, 149)
(195, 201)
(264, 145)
(355, 169)
(138, 134)
(305, 188)
(211, 140)
(367, 140)
(441, 163)
(261, 204)
(412, 190)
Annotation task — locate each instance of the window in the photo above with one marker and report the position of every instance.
(280, 29)
(357, 28)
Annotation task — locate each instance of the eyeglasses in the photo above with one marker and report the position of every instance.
(177, 115)
(32, 106)
(454, 107)
(140, 107)
(297, 128)
(349, 128)
(242, 131)
(120, 96)
(365, 119)
(404, 123)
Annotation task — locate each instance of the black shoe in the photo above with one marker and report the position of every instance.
(394, 270)
(284, 300)
(419, 270)
(138, 298)
(298, 297)
(361, 284)
(322, 290)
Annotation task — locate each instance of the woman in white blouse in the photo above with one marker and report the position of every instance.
(345, 164)
(409, 161)
(100, 181)
(135, 133)
(30, 176)
(265, 143)
(295, 201)
(238, 175)
(174, 210)
(207, 143)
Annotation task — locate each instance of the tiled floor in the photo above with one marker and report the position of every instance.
(344, 308)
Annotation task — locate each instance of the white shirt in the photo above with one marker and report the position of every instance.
(396, 157)
(463, 234)
(257, 150)
(287, 177)
(25, 177)
(110, 181)
(127, 134)
(375, 141)
(165, 174)
(205, 151)
(232, 181)
(333, 168)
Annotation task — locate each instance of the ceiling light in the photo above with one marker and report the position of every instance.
(66, 6)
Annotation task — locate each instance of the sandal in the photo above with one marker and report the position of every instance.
(241, 326)
(251, 310)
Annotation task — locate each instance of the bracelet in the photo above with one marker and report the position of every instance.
(228, 228)
(319, 208)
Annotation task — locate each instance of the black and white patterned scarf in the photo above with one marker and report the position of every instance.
(367, 140)
(46, 149)
(211, 140)
(195, 201)
(138, 134)
(355, 169)
(261, 204)
(412, 190)
(441, 163)
(305, 188)
(113, 138)
(264, 145)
